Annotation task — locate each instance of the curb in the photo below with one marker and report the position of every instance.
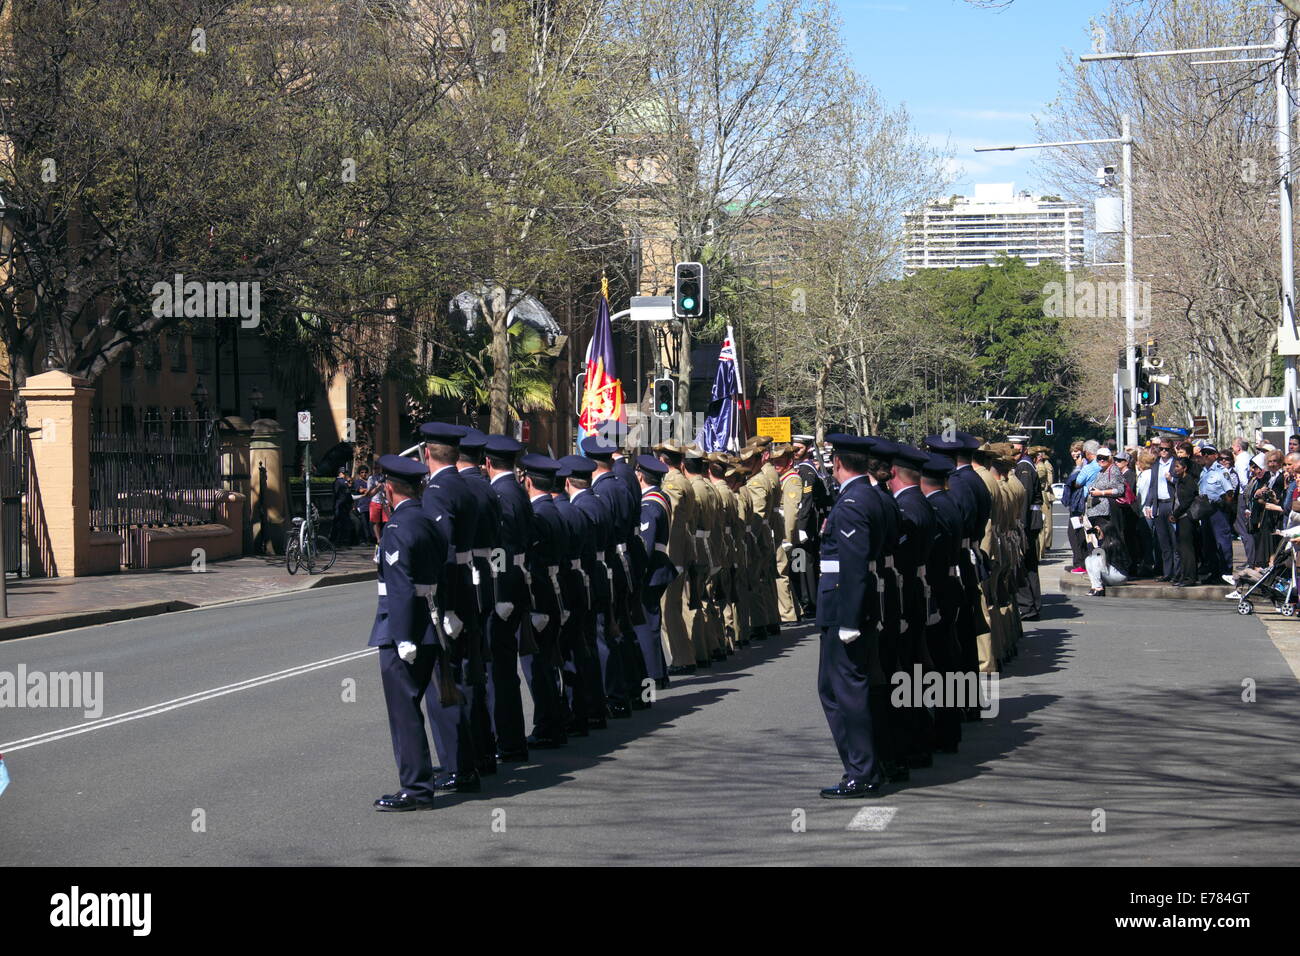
(50, 623)
(1078, 584)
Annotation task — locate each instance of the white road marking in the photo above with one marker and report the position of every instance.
(872, 818)
(176, 703)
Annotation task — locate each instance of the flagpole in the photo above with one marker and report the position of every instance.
(740, 385)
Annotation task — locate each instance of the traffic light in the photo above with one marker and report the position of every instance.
(665, 393)
(688, 290)
(1048, 426)
(1147, 384)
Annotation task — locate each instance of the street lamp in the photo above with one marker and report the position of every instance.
(1126, 417)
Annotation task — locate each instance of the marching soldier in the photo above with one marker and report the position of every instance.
(577, 625)
(742, 605)
(790, 485)
(704, 627)
(548, 545)
(681, 545)
(763, 575)
(732, 537)
(656, 517)
(487, 538)
(1015, 544)
(588, 700)
(813, 505)
(449, 502)
(990, 546)
(1029, 595)
(847, 613)
(888, 723)
(775, 529)
(1046, 477)
(944, 576)
(512, 601)
(411, 555)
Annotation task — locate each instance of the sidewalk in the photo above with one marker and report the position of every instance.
(42, 605)
(1150, 588)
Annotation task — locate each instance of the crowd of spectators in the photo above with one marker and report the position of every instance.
(1171, 510)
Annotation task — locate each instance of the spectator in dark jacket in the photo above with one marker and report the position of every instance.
(1184, 495)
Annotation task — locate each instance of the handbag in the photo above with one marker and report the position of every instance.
(1201, 508)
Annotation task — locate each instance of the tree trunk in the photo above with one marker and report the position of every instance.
(819, 415)
(499, 392)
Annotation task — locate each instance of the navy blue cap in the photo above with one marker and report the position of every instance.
(593, 446)
(473, 439)
(651, 465)
(971, 442)
(538, 464)
(399, 466)
(937, 466)
(884, 449)
(502, 445)
(576, 466)
(851, 443)
(939, 443)
(442, 433)
(910, 457)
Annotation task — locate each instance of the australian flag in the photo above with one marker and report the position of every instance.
(719, 431)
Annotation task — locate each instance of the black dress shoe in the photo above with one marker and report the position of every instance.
(719, 656)
(897, 772)
(597, 723)
(402, 802)
(774, 629)
(681, 670)
(486, 766)
(459, 782)
(661, 683)
(577, 728)
(758, 636)
(512, 756)
(850, 789)
(920, 761)
(640, 703)
(618, 710)
(547, 741)
(703, 663)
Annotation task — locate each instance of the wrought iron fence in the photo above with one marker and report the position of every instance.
(160, 472)
(15, 467)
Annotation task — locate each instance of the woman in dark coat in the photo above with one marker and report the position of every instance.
(1184, 488)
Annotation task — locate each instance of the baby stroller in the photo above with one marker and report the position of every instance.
(1278, 584)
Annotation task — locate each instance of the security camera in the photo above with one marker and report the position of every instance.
(1106, 176)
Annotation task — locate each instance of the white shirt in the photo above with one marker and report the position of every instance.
(1162, 488)
(1241, 465)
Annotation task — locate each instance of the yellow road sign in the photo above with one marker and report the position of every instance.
(778, 429)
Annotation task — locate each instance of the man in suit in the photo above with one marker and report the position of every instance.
(512, 600)
(547, 548)
(847, 613)
(448, 501)
(411, 556)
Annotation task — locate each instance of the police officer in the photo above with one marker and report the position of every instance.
(411, 555)
(512, 600)
(447, 500)
(549, 545)
(656, 518)
(847, 612)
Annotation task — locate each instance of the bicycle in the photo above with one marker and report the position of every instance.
(307, 549)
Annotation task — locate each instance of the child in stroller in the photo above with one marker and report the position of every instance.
(1278, 581)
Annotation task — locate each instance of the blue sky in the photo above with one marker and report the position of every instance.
(969, 75)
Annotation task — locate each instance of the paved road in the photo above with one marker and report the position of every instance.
(1127, 706)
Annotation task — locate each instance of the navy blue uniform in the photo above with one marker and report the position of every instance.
(411, 556)
(448, 500)
(847, 600)
(548, 547)
(942, 571)
(915, 540)
(582, 682)
(968, 490)
(599, 511)
(487, 538)
(887, 721)
(624, 600)
(511, 587)
(659, 573)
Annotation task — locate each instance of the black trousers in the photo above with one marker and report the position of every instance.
(842, 685)
(1187, 535)
(504, 700)
(1078, 543)
(404, 686)
(1029, 595)
(1166, 536)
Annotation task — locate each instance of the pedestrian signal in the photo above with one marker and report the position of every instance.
(688, 290)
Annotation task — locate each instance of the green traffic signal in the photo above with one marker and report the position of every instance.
(688, 304)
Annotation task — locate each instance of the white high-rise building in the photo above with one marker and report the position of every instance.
(961, 232)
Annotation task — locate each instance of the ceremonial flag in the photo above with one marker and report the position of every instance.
(602, 392)
(719, 430)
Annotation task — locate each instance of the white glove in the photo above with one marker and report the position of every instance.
(848, 635)
(539, 621)
(564, 617)
(803, 536)
(452, 624)
(407, 651)
(504, 610)
(786, 545)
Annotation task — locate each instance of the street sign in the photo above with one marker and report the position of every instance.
(1272, 419)
(778, 429)
(1266, 404)
(304, 426)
